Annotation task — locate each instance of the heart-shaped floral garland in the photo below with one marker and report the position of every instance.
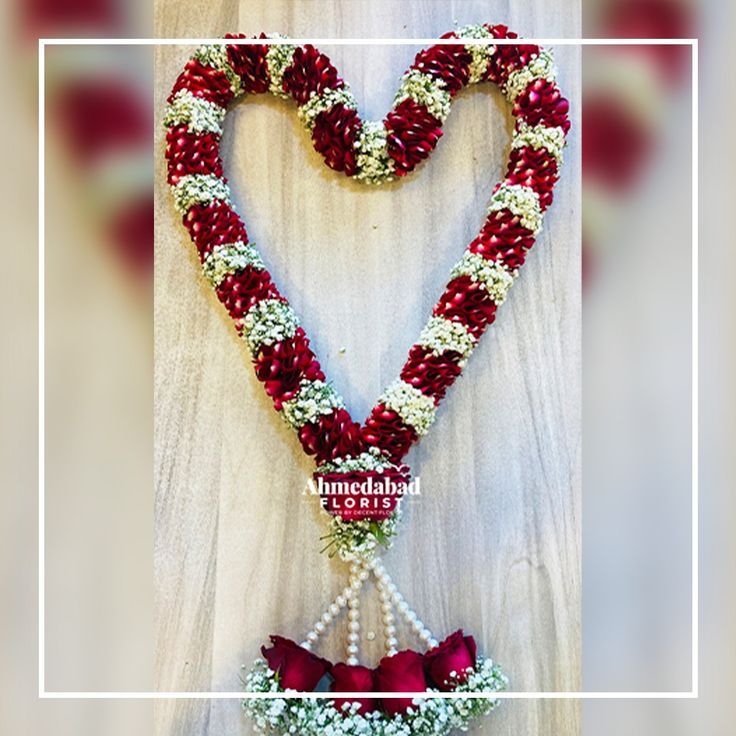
(346, 452)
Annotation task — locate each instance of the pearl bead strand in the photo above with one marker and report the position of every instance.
(411, 618)
(358, 575)
(332, 612)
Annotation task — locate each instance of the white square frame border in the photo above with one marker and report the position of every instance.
(45, 694)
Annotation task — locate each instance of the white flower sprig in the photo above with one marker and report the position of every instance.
(314, 399)
(317, 717)
(218, 58)
(442, 335)
(541, 66)
(318, 104)
(374, 164)
(198, 114)
(269, 321)
(279, 58)
(494, 276)
(230, 258)
(540, 136)
(199, 189)
(521, 201)
(414, 408)
(425, 90)
(480, 53)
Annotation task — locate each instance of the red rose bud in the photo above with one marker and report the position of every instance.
(464, 300)
(310, 72)
(213, 224)
(363, 494)
(205, 82)
(297, 668)
(282, 366)
(190, 153)
(402, 673)
(249, 63)
(535, 168)
(353, 679)
(503, 238)
(541, 103)
(385, 429)
(334, 135)
(331, 436)
(240, 291)
(507, 57)
(431, 374)
(451, 64)
(412, 135)
(448, 662)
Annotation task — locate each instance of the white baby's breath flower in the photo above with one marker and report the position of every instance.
(521, 201)
(480, 53)
(442, 335)
(217, 57)
(279, 58)
(414, 408)
(230, 258)
(374, 164)
(425, 90)
(199, 189)
(494, 276)
(198, 114)
(314, 399)
(540, 136)
(541, 66)
(269, 321)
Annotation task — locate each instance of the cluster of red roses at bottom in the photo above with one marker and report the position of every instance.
(443, 668)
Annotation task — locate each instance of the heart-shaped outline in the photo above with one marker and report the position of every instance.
(373, 152)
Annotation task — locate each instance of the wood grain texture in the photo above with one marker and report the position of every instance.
(493, 544)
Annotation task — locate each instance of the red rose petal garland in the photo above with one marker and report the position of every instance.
(372, 152)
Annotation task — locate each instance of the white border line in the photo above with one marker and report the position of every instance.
(41, 370)
(695, 594)
(573, 695)
(368, 41)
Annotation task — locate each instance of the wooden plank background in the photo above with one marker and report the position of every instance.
(493, 544)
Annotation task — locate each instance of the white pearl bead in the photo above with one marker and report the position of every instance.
(425, 635)
(352, 661)
(305, 645)
(370, 635)
(341, 600)
(411, 617)
(391, 588)
(354, 625)
(417, 626)
(353, 637)
(352, 649)
(326, 618)
(389, 630)
(433, 643)
(391, 642)
(353, 614)
(334, 609)
(363, 575)
(319, 627)
(386, 607)
(403, 607)
(312, 637)
(356, 584)
(388, 619)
